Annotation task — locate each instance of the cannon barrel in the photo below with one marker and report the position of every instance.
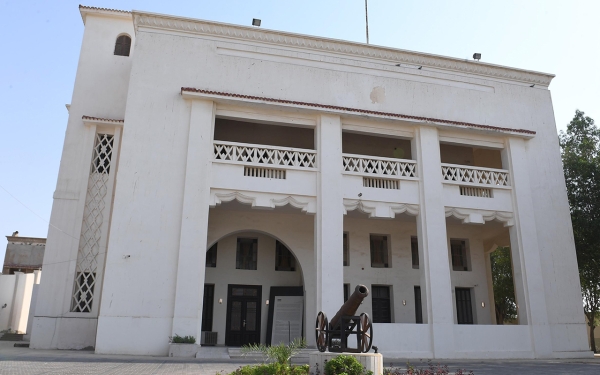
(349, 307)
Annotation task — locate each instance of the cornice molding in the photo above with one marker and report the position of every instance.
(473, 216)
(85, 10)
(380, 209)
(264, 200)
(90, 120)
(395, 56)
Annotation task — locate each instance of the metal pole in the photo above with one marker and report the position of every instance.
(367, 19)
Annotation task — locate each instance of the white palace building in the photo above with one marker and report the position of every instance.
(217, 180)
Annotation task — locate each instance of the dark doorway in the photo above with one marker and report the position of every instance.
(464, 309)
(243, 315)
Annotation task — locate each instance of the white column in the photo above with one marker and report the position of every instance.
(436, 287)
(189, 290)
(329, 219)
(527, 264)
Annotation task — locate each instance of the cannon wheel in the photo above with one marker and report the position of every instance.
(366, 329)
(321, 330)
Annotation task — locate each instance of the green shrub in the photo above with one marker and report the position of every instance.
(345, 365)
(281, 353)
(182, 339)
(272, 369)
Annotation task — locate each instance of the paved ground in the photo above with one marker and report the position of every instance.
(17, 361)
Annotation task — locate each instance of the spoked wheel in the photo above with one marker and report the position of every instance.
(366, 333)
(321, 331)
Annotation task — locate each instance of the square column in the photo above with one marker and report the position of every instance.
(329, 219)
(431, 230)
(189, 290)
(525, 250)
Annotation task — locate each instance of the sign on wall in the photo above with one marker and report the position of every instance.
(287, 319)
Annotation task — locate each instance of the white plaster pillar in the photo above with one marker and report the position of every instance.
(436, 287)
(329, 219)
(189, 290)
(527, 266)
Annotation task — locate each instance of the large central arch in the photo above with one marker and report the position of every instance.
(270, 230)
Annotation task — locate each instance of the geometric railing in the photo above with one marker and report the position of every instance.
(379, 166)
(475, 175)
(262, 155)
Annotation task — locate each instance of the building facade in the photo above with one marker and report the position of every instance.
(219, 177)
(23, 254)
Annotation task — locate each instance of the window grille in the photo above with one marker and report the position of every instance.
(379, 251)
(277, 174)
(123, 45)
(464, 308)
(458, 250)
(284, 259)
(211, 256)
(381, 183)
(475, 192)
(382, 312)
(246, 253)
(91, 229)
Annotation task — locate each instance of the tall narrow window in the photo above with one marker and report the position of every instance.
(211, 256)
(346, 250)
(418, 306)
(207, 307)
(458, 250)
(346, 292)
(382, 312)
(414, 249)
(464, 309)
(123, 45)
(284, 259)
(246, 253)
(379, 251)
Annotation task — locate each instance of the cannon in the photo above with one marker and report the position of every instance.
(334, 335)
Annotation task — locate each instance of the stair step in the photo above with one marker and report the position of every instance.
(12, 337)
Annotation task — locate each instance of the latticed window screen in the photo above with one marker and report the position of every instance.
(91, 228)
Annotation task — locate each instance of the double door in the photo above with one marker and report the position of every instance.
(243, 315)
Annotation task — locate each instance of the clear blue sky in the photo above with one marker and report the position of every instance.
(40, 43)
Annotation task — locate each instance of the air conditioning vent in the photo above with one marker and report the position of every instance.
(278, 174)
(381, 183)
(475, 192)
(208, 338)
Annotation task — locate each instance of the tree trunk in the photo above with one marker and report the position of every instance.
(592, 341)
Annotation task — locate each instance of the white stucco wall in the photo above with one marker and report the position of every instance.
(165, 177)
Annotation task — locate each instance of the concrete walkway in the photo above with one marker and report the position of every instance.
(24, 361)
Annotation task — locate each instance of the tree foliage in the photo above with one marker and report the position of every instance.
(504, 288)
(580, 149)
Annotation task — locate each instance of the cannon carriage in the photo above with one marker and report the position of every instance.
(336, 334)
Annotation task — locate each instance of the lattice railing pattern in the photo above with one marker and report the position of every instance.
(475, 175)
(378, 166)
(91, 229)
(264, 155)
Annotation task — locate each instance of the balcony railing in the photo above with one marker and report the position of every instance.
(378, 166)
(244, 153)
(466, 175)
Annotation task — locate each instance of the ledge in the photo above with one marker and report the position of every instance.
(89, 120)
(191, 93)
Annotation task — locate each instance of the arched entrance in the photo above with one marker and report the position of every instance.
(254, 290)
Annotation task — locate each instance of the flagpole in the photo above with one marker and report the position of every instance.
(367, 20)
